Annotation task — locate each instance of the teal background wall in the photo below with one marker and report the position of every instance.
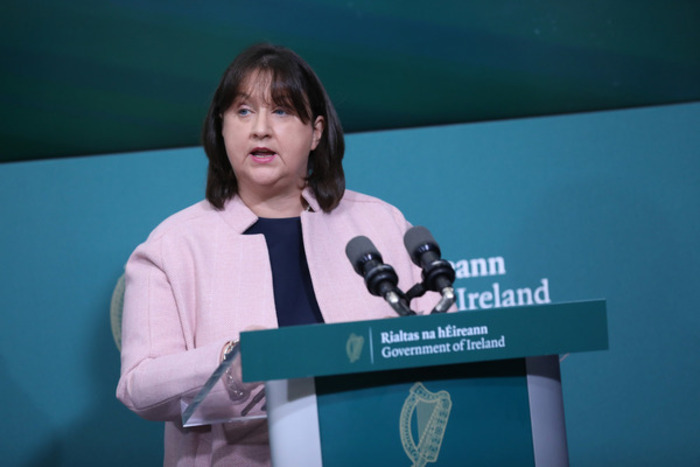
(599, 205)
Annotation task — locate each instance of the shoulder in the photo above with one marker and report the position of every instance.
(351, 196)
(195, 233)
(196, 216)
(201, 226)
(360, 214)
(354, 201)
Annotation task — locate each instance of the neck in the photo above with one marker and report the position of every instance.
(276, 207)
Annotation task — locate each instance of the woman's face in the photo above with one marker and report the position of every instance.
(268, 145)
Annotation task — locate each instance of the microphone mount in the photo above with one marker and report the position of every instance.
(381, 279)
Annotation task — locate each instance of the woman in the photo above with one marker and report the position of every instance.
(265, 249)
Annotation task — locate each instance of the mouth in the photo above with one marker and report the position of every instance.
(263, 154)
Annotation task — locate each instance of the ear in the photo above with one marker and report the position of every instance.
(319, 126)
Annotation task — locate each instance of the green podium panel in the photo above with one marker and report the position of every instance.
(388, 419)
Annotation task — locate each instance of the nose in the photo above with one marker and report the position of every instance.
(261, 125)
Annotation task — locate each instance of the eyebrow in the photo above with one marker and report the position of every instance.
(284, 100)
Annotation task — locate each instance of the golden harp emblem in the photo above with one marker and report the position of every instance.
(432, 410)
(353, 347)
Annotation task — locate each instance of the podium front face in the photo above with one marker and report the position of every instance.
(457, 389)
(464, 414)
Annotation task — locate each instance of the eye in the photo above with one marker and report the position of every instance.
(243, 111)
(280, 111)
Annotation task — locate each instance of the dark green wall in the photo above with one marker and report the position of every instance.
(86, 77)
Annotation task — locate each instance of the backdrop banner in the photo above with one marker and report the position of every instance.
(530, 212)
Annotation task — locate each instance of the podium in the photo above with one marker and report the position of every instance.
(465, 388)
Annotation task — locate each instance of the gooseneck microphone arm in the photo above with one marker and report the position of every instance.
(438, 274)
(380, 278)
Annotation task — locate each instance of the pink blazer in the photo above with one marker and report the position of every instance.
(197, 282)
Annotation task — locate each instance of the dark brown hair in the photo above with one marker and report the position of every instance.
(292, 84)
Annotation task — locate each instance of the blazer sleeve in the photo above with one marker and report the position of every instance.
(160, 363)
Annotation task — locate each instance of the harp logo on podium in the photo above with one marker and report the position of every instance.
(432, 410)
(353, 347)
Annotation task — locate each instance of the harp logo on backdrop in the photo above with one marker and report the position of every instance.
(432, 411)
(495, 296)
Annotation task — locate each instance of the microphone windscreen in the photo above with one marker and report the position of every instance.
(359, 248)
(416, 238)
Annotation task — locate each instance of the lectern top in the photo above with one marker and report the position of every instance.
(417, 341)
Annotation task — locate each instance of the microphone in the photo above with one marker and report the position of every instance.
(438, 274)
(380, 278)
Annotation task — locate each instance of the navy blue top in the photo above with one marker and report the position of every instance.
(295, 300)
